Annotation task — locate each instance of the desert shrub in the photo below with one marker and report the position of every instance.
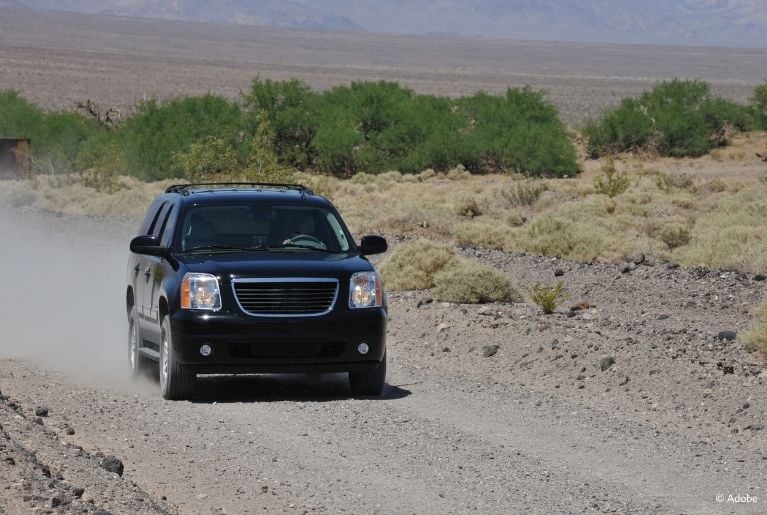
(756, 335)
(519, 132)
(730, 235)
(759, 102)
(413, 265)
(209, 160)
(468, 207)
(261, 163)
(523, 193)
(158, 132)
(515, 219)
(668, 183)
(548, 296)
(611, 183)
(676, 118)
(470, 282)
(674, 234)
(482, 234)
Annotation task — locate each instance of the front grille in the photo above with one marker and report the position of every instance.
(286, 350)
(286, 297)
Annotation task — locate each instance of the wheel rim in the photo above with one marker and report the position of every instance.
(164, 362)
(133, 346)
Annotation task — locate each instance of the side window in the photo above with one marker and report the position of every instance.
(154, 225)
(149, 219)
(167, 229)
(338, 231)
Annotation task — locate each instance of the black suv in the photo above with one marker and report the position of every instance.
(253, 278)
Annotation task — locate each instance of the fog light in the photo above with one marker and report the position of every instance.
(363, 348)
(206, 350)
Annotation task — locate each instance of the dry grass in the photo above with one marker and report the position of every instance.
(471, 282)
(699, 212)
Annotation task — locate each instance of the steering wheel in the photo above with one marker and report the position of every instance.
(303, 239)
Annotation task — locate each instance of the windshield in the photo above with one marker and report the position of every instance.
(261, 227)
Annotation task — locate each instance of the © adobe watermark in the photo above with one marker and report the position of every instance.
(737, 498)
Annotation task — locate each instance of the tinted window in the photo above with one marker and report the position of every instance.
(242, 225)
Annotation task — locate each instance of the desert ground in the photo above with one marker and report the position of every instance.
(642, 399)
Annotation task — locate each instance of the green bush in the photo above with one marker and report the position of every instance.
(158, 132)
(470, 282)
(413, 265)
(548, 296)
(611, 183)
(759, 102)
(676, 118)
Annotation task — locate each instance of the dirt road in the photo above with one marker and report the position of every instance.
(494, 409)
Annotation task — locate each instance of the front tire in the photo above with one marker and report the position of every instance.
(137, 363)
(176, 381)
(369, 383)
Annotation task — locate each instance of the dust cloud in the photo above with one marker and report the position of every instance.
(62, 294)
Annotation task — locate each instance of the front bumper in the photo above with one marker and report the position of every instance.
(246, 344)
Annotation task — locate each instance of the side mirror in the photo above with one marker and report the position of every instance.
(370, 245)
(148, 245)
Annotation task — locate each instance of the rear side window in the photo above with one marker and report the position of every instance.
(151, 218)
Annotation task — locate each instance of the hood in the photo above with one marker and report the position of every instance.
(275, 263)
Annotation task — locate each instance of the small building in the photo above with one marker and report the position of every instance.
(15, 158)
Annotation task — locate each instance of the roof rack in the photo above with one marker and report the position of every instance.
(186, 188)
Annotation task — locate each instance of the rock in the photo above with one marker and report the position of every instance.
(41, 411)
(443, 327)
(10, 461)
(727, 335)
(624, 382)
(606, 362)
(485, 311)
(112, 464)
(581, 305)
(760, 277)
(626, 268)
(69, 430)
(445, 349)
(55, 502)
(78, 492)
(662, 316)
(559, 272)
(637, 258)
(39, 421)
(554, 343)
(708, 392)
(424, 301)
(672, 266)
(755, 427)
(490, 350)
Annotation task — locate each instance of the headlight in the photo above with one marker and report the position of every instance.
(200, 291)
(365, 290)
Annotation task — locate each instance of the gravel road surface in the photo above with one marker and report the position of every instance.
(640, 402)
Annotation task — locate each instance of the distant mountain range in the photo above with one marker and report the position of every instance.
(692, 22)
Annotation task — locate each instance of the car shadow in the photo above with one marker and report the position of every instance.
(283, 387)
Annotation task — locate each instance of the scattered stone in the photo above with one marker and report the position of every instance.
(78, 492)
(10, 461)
(264, 489)
(39, 421)
(424, 301)
(485, 311)
(708, 392)
(606, 362)
(624, 382)
(559, 272)
(746, 405)
(726, 369)
(112, 464)
(41, 411)
(755, 427)
(490, 350)
(445, 349)
(760, 277)
(662, 316)
(581, 305)
(443, 327)
(637, 258)
(727, 335)
(672, 266)
(654, 372)
(69, 431)
(626, 268)
(55, 502)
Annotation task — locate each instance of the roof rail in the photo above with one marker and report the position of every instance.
(186, 188)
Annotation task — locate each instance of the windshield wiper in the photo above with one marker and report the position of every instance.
(231, 248)
(299, 246)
